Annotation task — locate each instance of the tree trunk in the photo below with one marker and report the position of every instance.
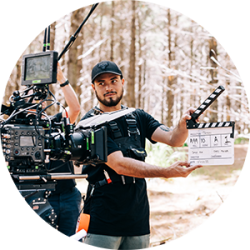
(131, 76)
(170, 96)
(74, 64)
(228, 103)
(112, 31)
(214, 80)
(122, 44)
(52, 35)
(140, 64)
(100, 32)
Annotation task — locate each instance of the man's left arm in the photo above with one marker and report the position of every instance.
(178, 135)
(71, 99)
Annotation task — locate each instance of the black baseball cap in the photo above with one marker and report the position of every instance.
(105, 67)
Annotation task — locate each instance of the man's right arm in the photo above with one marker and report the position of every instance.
(139, 169)
(70, 96)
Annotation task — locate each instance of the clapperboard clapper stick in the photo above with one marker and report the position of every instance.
(210, 143)
(192, 123)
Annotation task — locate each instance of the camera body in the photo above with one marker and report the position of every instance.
(30, 138)
(28, 149)
(23, 147)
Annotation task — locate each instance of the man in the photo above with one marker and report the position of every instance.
(66, 199)
(116, 197)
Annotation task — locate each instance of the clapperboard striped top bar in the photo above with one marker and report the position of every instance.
(213, 125)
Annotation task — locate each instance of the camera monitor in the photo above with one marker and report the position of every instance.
(40, 68)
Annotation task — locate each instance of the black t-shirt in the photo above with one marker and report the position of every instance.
(117, 209)
(61, 167)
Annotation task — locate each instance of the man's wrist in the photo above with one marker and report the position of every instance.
(64, 84)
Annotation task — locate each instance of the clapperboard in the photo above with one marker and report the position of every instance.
(210, 143)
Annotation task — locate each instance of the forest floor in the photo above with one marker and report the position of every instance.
(181, 204)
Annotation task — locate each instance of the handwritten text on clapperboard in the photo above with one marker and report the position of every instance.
(211, 146)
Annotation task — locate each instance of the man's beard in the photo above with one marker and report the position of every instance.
(110, 102)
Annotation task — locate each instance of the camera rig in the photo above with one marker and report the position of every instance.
(31, 139)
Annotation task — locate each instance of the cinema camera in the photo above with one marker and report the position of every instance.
(31, 138)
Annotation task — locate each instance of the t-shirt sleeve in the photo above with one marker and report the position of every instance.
(112, 146)
(149, 124)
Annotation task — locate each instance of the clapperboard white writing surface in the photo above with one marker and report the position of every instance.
(211, 144)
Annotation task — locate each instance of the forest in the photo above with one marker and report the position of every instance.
(169, 62)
